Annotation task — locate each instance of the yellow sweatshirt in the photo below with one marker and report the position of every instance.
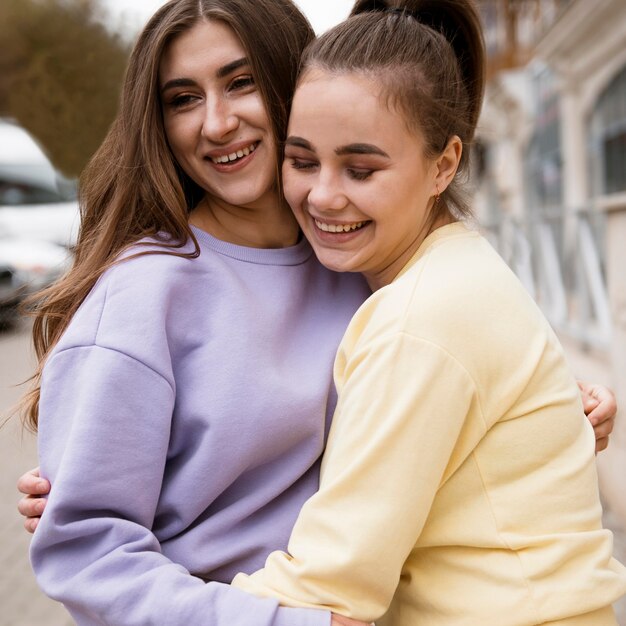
(458, 485)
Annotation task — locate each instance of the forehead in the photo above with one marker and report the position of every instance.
(203, 48)
(346, 96)
(352, 104)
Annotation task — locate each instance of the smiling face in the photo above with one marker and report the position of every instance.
(215, 119)
(356, 177)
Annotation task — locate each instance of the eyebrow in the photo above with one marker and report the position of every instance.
(222, 72)
(177, 82)
(299, 142)
(229, 68)
(353, 148)
(360, 148)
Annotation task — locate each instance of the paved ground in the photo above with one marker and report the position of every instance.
(21, 603)
(619, 534)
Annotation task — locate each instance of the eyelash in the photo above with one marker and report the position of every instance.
(359, 175)
(302, 165)
(242, 82)
(180, 101)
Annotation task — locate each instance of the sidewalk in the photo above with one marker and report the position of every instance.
(21, 602)
(619, 551)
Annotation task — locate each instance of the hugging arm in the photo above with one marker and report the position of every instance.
(105, 418)
(349, 545)
(598, 401)
(601, 408)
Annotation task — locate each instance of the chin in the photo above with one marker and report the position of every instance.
(250, 197)
(335, 265)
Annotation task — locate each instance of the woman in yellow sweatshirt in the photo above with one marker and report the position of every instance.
(458, 485)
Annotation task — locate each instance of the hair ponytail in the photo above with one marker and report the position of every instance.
(429, 58)
(459, 22)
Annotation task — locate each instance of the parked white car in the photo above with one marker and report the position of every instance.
(35, 202)
(12, 291)
(35, 264)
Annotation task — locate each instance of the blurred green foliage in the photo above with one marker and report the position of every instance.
(61, 72)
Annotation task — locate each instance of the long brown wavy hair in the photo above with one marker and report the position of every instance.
(133, 187)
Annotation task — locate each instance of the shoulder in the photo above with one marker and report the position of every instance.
(458, 294)
(153, 263)
(132, 305)
(460, 284)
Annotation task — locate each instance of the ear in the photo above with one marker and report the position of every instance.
(447, 163)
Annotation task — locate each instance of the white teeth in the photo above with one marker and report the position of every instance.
(227, 158)
(338, 228)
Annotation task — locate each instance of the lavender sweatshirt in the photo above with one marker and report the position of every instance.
(182, 418)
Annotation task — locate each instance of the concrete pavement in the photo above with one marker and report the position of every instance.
(21, 602)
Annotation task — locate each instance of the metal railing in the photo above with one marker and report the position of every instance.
(560, 257)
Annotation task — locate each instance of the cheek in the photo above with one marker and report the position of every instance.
(254, 110)
(290, 186)
(174, 133)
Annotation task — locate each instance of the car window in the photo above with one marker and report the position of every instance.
(15, 194)
(33, 184)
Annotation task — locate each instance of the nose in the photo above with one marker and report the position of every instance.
(326, 192)
(220, 120)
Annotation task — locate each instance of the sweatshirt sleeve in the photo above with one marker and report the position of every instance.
(105, 423)
(403, 402)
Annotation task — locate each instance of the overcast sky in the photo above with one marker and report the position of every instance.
(133, 13)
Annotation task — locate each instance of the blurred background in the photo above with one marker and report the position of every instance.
(549, 177)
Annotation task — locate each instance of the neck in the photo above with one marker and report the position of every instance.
(390, 272)
(270, 226)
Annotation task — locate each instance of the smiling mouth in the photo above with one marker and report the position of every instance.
(339, 228)
(235, 156)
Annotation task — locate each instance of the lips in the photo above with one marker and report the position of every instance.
(234, 156)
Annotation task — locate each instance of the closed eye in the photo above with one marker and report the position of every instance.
(301, 164)
(359, 174)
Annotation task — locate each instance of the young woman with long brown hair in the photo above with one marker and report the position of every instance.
(185, 360)
(185, 389)
(458, 486)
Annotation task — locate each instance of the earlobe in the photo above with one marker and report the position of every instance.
(437, 196)
(448, 163)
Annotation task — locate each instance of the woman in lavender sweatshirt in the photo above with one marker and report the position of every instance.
(185, 360)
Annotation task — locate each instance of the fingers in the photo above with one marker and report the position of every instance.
(602, 444)
(30, 506)
(30, 524)
(31, 484)
(606, 408)
(604, 429)
(589, 402)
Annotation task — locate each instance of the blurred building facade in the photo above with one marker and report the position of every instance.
(551, 179)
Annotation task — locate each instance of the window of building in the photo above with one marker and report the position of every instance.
(607, 133)
(543, 161)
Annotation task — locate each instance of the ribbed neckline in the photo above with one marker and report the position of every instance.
(292, 255)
